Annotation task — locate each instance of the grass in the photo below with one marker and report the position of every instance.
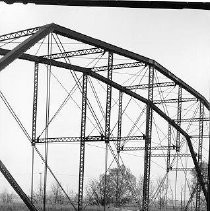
(22, 207)
(13, 207)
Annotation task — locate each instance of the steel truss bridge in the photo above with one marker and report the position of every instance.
(124, 101)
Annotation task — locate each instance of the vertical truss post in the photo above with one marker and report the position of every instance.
(168, 167)
(119, 131)
(107, 120)
(200, 145)
(34, 117)
(108, 98)
(147, 155)
(208, 178)
(119, 125)
(168, 150)
(82, 142)
(179, 111)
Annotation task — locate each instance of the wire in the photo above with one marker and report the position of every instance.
(97, 98)
(80, 88)
(14, 115)
(30, 140)
(5, 43)
(40, 46)
(65, 101)
(47, 118)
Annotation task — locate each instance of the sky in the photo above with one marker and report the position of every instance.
(177, 39)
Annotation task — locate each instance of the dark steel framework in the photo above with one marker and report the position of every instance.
(179, 111)
(128, 4)
(154, 106)
(107, 121)
(147, 155)
(200, 143)
(119, 139)
(16, 187)
(82, 142)
(34, 120)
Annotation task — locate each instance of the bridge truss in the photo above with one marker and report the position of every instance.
(121, 101)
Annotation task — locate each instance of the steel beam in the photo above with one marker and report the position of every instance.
(18, 34)
(143, 148)
(193, 119)
(172, 155)
(168, 163)
(200, 147)
(108, 98)
(35, 99)
(168, 167)
(107, 120)
(197, 168)
(16, 187)
(147, 153)
(119, 66)
(34, 119)
(155, 85)
(183, 100)
(25, 45)
(122, 4)
(197, 136)
(119, 123)
(67, 54)
(119, 133)
(182, 169)
(82, 143)
(100, 138)
(179, 112)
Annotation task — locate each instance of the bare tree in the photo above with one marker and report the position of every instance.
(117, 188)
(7, 198)
(139, 188)
(56, 194)
(194, 181)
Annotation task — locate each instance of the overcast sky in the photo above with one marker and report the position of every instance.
(177, 39)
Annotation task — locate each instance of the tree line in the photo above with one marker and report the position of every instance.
(122, 188)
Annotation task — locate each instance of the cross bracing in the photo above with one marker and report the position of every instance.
(159, 94)
(101, 138)
(75, 53)
(15, 35)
